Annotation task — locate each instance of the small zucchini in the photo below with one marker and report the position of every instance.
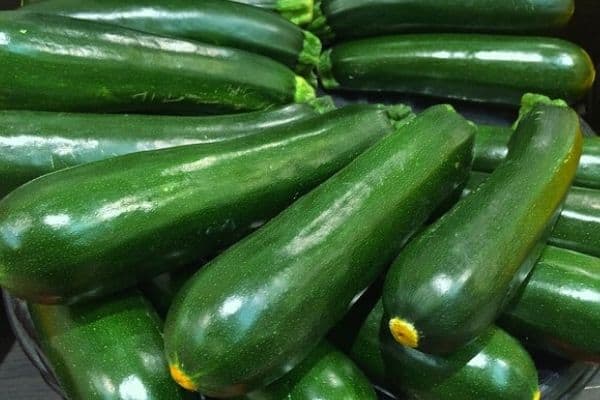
(450, 283)
(96, 228)
(484, 68)
(55, 63)
(111, 349)
(218, 22)
(34, 143)
(267, 301)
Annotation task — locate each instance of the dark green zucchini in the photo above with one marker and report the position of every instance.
(577, 227)
(491, 148)
(111, 349)
(55, 63)
(345, 19)
(34, 143)
(222, 23)
(95, 228)
(494, 366)
(299, 12)
(450, 283)
(559, 307)
(495, 69)
(260, 307)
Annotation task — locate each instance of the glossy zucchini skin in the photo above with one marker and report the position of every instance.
(142, 214)
(495, 366)
(34, 143)
(450, 283)
(218, 22)
(481, 68)
(491, 147)
(299, 12)
(578, 227)
(266, 302)
(559, 307)
(343, 19)
(55, 63)
(326, 373)
(111, 349)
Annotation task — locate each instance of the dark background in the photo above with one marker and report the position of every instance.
(19, 380)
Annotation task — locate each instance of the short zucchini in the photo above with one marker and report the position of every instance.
(138, 215)
(106, 350)
(267, 301)
(55, 63)
(484, 68)
(222, 23)
(450, 283)
(34, 143)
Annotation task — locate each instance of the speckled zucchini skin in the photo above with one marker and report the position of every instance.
(450, 283)
(96, 228)
(559, 307)
(494, 366)
(267, 301)
(491, 148)
(34, 143)
(55, 63)
(483, 68)
(112, 349)
(344, 19)
(222, 23)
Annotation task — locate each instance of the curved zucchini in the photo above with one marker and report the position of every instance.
(96, 228)
(264, 304)
(299, 12)
(345, 19)
(559, 307)
(491, 147)
(450, 283)
(111, 349)
(55, 63)
(222, 23)
(494, 69)
(34, 143)
(494, 366)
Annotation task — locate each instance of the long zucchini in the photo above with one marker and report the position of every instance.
(491, 147)
(99, 227)
(260, 307)
(577, 227)
(55, 63)
(343, 19)
(34, 143)
(494, 69)
(494, 366)
(450, 283)
(299, 12)
(111, 349)
(559, 307)
(222, 23)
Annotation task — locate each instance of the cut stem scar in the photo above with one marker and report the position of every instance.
(404, 332)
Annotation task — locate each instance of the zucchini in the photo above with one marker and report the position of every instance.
(491, 148)
(259, 308)
(55, 63)
(559, 307)
(577, 227)
(142, 214)
(486, 68)
(106, 350)
(345, 19)
(494, 366)
(299, 12)
(222, 23)
(450, 283)
(34, 143)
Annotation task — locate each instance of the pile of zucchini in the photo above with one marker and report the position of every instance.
(183, 214)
